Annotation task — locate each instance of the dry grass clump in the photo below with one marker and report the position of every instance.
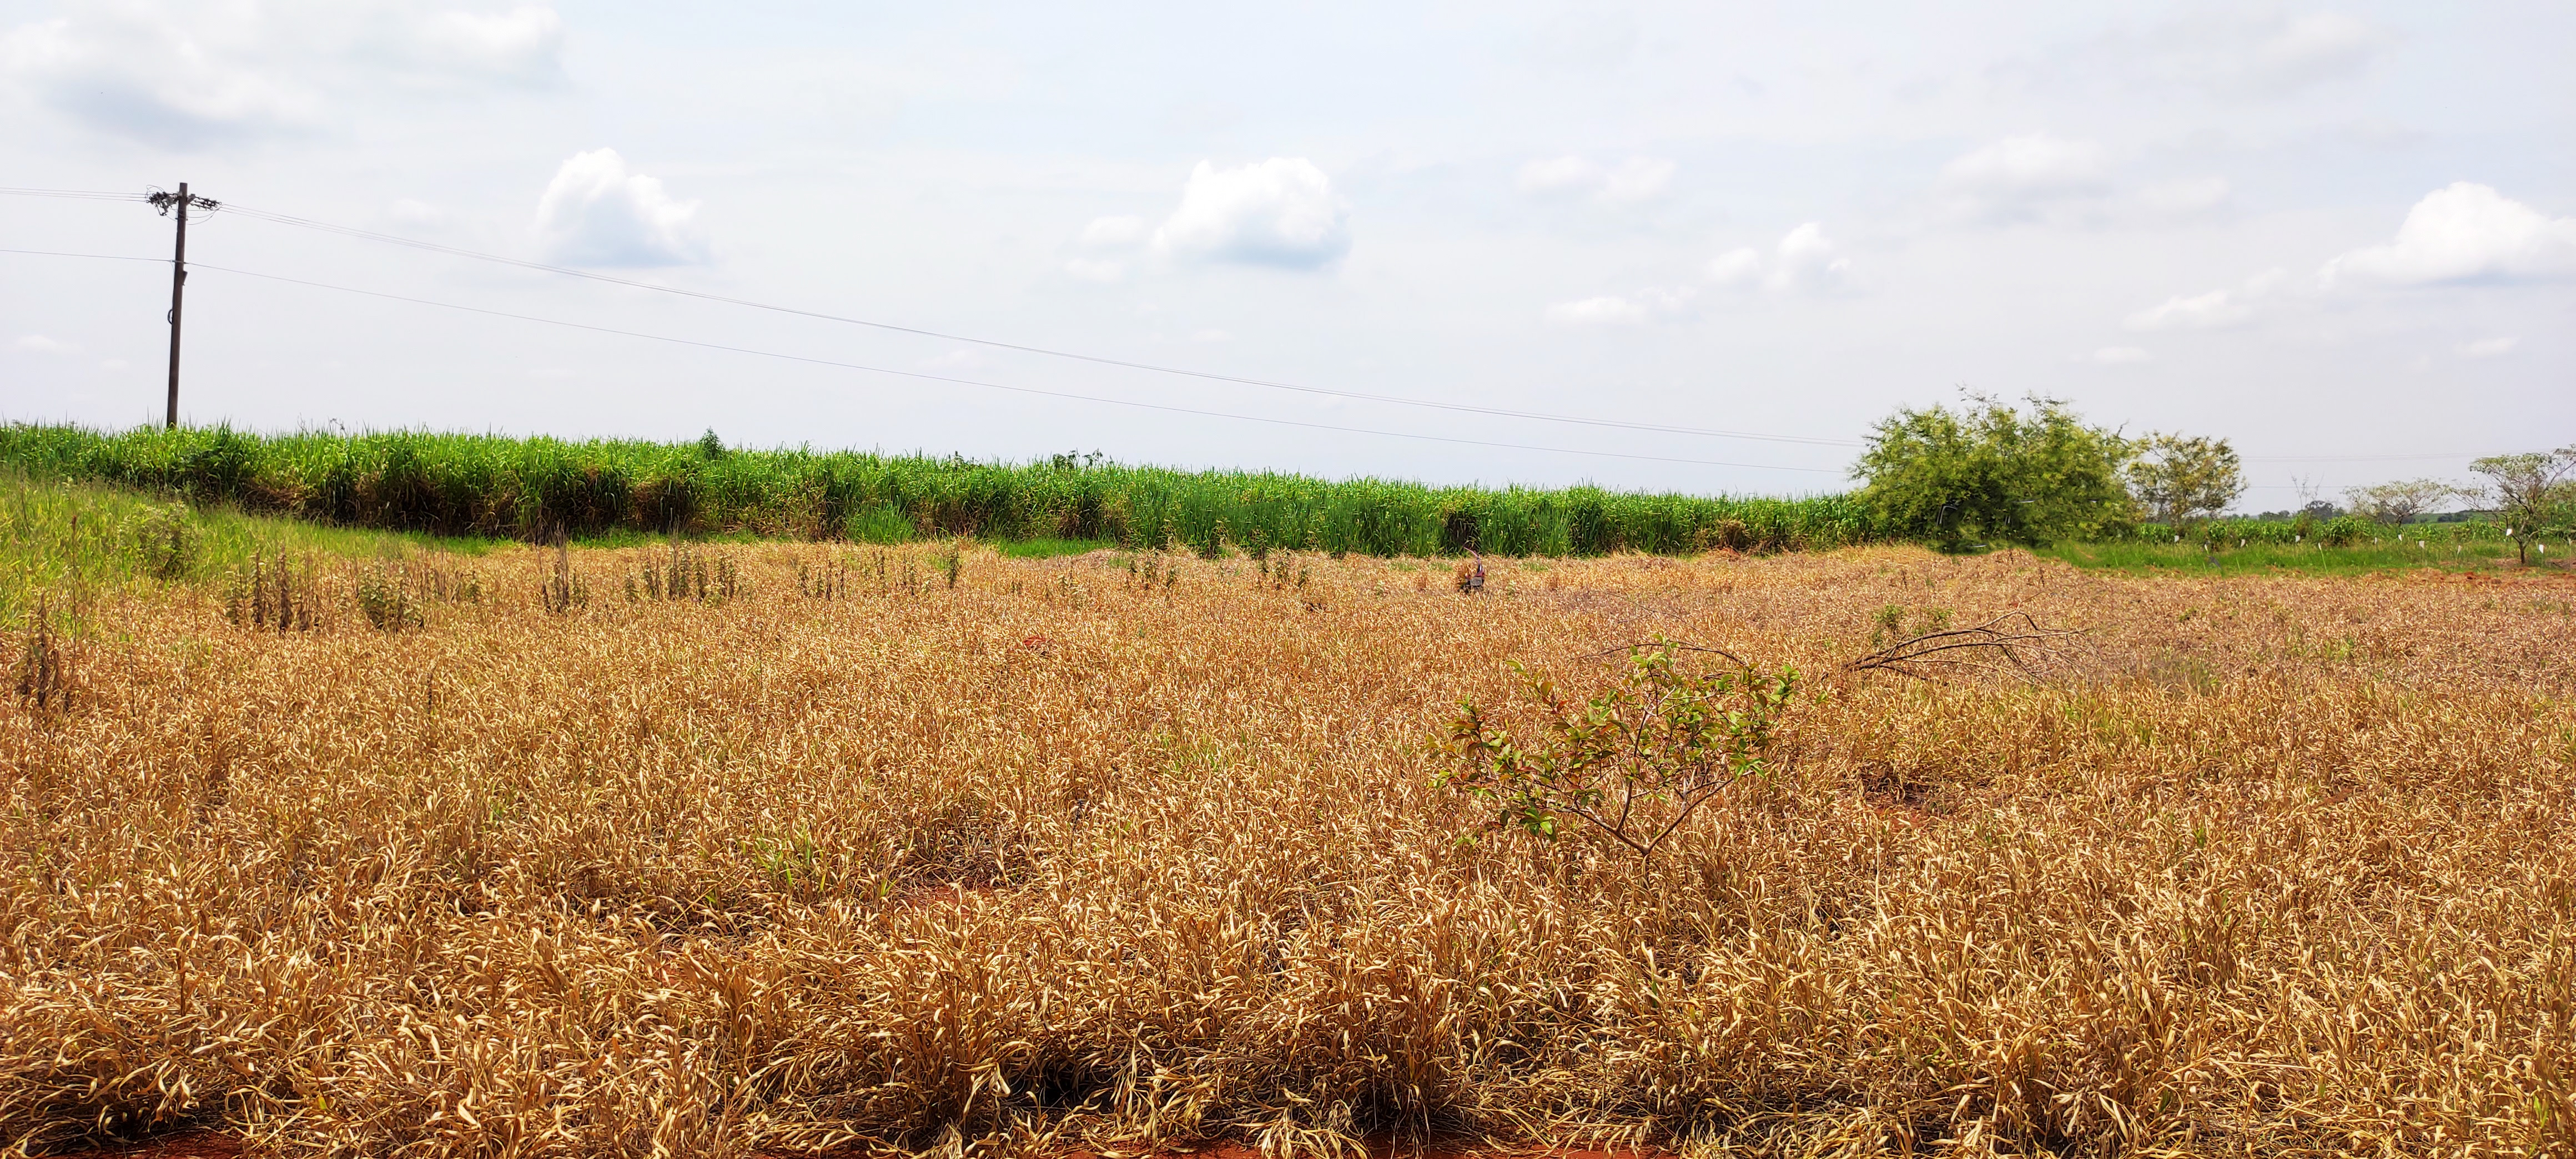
(993, 856)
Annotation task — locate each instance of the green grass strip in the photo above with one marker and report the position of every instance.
(2192, 559)
(72, 541)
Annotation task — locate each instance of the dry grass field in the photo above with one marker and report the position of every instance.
(1104, 855)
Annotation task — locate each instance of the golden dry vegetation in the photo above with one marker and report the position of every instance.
(1101, 854)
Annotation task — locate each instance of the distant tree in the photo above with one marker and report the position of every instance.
(2179, 479)
(2400, 502)
(2530, 492)
(1987, 472)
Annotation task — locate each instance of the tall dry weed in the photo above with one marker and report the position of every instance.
(1058, 858)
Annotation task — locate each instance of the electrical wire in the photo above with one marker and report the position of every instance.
(435, 247)
(922, 375)
(918, 374)
(101, 257)
(909, 373)
(76, 194)
(2361, 458)
(1397, 400)
(1024, 348)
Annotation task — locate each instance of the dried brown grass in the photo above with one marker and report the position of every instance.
(1055, 860)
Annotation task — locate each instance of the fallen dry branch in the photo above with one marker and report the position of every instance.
(2010, 642)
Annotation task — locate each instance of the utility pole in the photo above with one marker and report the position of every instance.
(165, 202)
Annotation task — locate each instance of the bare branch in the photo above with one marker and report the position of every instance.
(2013, 640)
(1690, 804)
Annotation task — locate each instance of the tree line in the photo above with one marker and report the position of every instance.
(1987, 472)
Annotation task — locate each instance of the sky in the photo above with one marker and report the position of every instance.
(2341, 237)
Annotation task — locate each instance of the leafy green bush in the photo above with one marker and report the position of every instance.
(1987, 473)
(1630, 765)
(385, 596)
(2532, 493)
(2178, 480)
(2345, 531)
(166, 541)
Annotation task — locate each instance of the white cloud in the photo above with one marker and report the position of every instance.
(1279, 212)
(125, 71)
(2017, 177)
(1607, 310)
(1107, 248)
(1586, 40)
(2464, 232)
(1124, 232)
(2209, 311)
(2117, 356)
(521, 43)
(2229, 52)
(596, 213)
(39, 344)
(1633, 180)
(2489, 347)
(1637, 179)
(2317, 47)
(2186, 197)
(1805, 261)
(1559, 174)
(191, 76)
(1096, 269)
(113, 364)
(2193, 312)
(1737, 269)
(1631, 310)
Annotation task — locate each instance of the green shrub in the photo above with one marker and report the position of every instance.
(1988, 474)
(166, 541)
(385, 596)
(1631, 765)
(2345, 531)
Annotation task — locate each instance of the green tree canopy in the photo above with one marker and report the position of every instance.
(2402, 501)
(2531, 492)
(1989, 473)
(2180, 479)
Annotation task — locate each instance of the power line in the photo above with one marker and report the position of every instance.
(2360, 458)
(1397, 400)
(913, 373)
(445, 249)
(435, 247)
(101, 257)
(994, 385)
(1024, 348)
(76, 194)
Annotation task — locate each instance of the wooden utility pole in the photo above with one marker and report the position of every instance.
(165, 202)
